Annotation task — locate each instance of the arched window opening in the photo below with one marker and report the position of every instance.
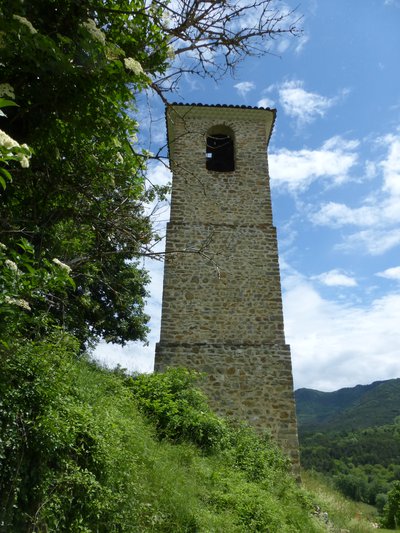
(220, 151)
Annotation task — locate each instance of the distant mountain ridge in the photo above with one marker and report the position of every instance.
(346, 409)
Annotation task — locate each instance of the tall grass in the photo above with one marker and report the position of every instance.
(343, 514)
(78, 455)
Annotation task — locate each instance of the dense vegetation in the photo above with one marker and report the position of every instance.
(363, 458)
(82, 448)
(80, 200)
(363, 463)
(77, 455)
(73, 173)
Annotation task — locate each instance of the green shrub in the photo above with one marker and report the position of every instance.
(49, 450)
(391, 511)
(354, 487)
(380, 501)
(258, 456)
(179, 411)
(76, 456)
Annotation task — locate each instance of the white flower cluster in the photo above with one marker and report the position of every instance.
(24, 161)
(62, 265)
(17, 301)
(11, 265)
(7, 141)
(133, 65)
(166, 20)
(12, 149)
(25, 22)
(3, 246)
(7, 90)
(94, 31)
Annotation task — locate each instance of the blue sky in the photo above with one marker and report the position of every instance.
(335, 174)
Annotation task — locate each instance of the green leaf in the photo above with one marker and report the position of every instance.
(6, 173)
(7, 103)
(72, 283)
(30, 269)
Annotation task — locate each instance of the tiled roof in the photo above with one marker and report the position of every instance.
(220, 105)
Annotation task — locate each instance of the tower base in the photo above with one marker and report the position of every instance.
(246, 381)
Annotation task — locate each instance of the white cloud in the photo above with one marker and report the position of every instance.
(296, 170)
(266, 102)
(135, 356)
(390, 273)
(370, 170)
(391, 165)
(286, 15)
(301, 42)
(302, 105)
(244, 87)
(378, 216)
(159, 212)
(270, 88)
(337, 344)
(283, 45)
(334, 214)
(378, 212)
(335, 278)
(130, 357)
(159, 174)
(371, 241)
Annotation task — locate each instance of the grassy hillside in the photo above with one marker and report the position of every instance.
(83, 449)
(340, 513)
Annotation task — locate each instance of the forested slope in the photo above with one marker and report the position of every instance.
(353, 436)
(352, 408)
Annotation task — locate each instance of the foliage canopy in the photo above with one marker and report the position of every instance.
(81, 199)
(74, 70)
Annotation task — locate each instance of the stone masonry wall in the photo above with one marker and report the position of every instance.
(222, 303)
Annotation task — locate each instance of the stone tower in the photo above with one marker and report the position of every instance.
(222, 302)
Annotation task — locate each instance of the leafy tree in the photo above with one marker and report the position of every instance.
(81, 199)
(75, 69)
(354, 487)
(23, 287)
(391, 511)
(363, 463)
